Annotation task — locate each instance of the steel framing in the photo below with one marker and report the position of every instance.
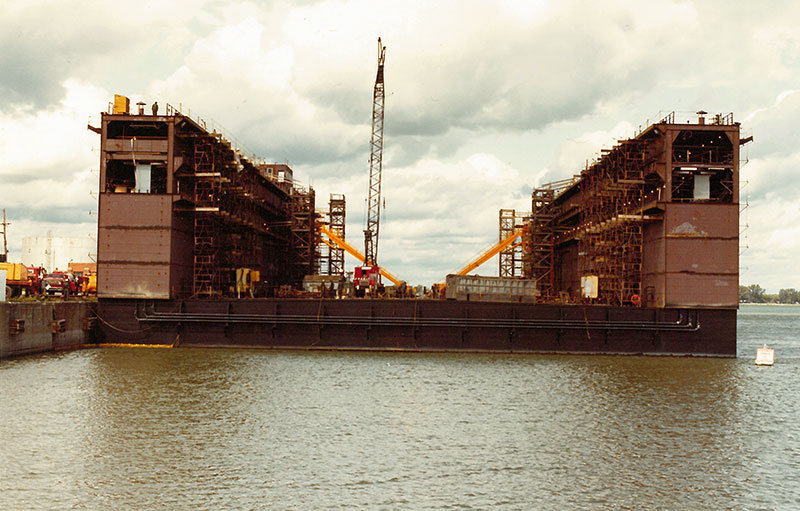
(302, 216)
(336, 222)
(511, 258)
(595, 224)
(215, 212)
(539, 256)
(611, 239)
(231, 222)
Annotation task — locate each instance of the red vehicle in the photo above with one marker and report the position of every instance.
(58, 283)
(366, 278)
(35, 276)
(22, 280)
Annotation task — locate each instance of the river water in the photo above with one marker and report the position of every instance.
(134, 428)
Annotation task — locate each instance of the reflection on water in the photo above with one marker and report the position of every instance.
(248, 429)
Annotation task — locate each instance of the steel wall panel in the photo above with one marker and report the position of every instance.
(135, 210)
(138, 146)
(702, 255)
(569, 272)
(135, 245)
(181, 260)
(132, 280)
(692, 257)
(653, 251)
(685, 290)
(701, 219)
(653, 264)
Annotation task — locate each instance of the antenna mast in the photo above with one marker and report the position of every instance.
(375, 165)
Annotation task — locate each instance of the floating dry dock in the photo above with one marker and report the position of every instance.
(652, 224)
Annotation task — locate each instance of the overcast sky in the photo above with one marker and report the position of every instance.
(484, 101)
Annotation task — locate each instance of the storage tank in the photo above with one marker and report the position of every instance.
(56, 252)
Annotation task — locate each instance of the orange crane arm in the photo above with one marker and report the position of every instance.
(492, 251)
(352, 250)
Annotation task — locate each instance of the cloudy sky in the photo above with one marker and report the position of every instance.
(485, 100)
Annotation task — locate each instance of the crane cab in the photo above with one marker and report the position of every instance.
(366, 277)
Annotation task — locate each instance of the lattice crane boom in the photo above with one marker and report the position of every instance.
(375, 165)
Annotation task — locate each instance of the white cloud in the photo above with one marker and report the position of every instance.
(53, 142)
(47, 173)
(576, 152)
(483, 100)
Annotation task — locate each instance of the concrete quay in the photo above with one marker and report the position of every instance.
(37, 327)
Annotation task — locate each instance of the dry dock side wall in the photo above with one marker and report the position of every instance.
(418, 325)
(35, 327)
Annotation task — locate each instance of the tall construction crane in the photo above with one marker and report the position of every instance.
(369, 274)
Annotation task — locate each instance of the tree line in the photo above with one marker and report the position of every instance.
(756, 294)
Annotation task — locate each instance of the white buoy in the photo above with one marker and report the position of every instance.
(765, 356)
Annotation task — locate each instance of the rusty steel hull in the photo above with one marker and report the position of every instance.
(419, 325)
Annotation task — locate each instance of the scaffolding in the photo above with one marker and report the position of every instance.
(511, 258)
(323, 254)
(206, 198)
(302, 218)
(610, 241)
(238, 222)
(336, 223)
(223, 213)
(593, 226)
(507, 222)
(539, 253)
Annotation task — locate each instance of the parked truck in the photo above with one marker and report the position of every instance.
(22, 280)
(59, 283)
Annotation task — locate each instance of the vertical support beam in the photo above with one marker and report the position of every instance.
(4, 255)
(171, 189)
(103, 152)
(670, 137)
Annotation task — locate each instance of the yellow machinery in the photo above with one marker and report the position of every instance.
(15, 271)
(91, 285)
(122, 105)
(19, 280)
(245, 280)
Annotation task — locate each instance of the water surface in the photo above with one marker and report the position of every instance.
(127, 428)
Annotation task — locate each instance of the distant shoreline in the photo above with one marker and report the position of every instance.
(779, 304)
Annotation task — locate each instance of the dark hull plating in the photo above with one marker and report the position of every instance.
(419, 325)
